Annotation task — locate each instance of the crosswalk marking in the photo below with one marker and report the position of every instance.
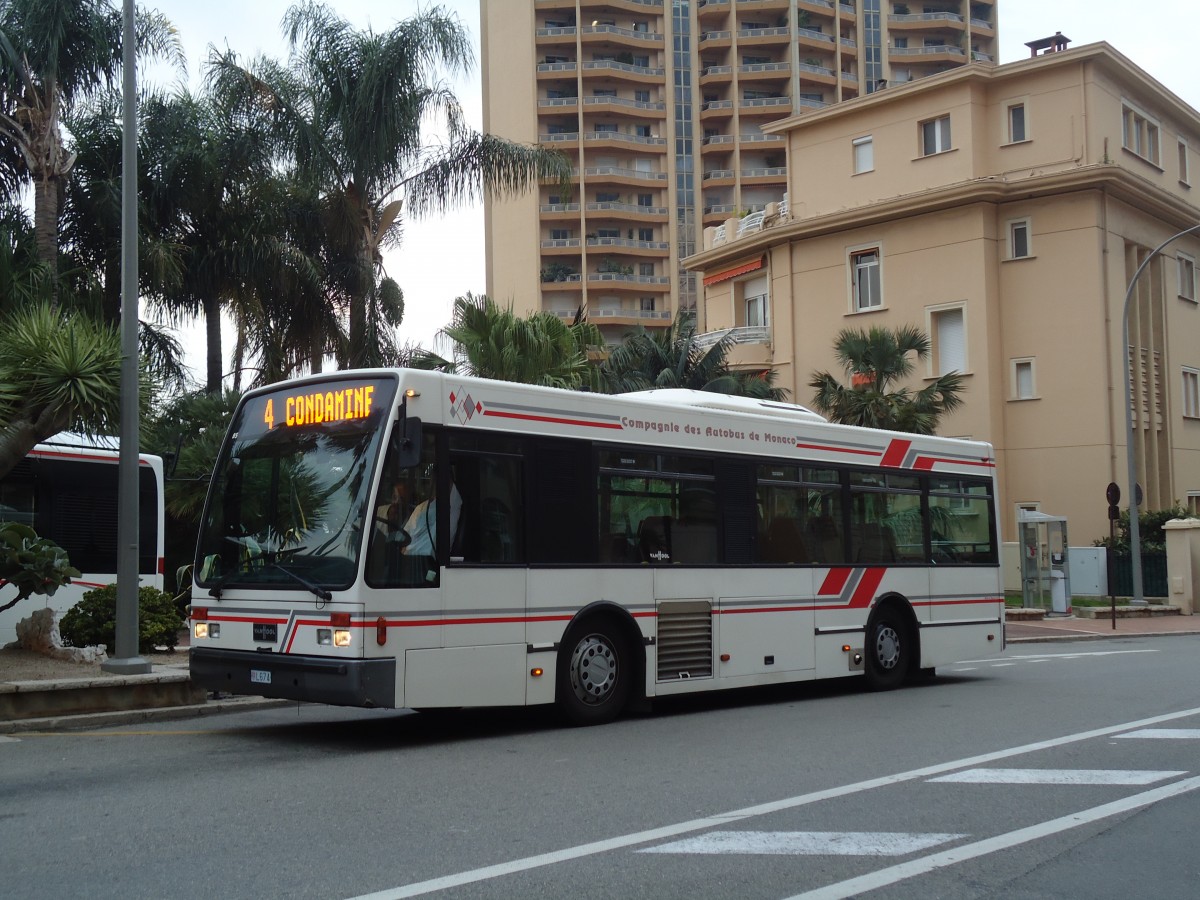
(807, 843)
(1056, 776)
(1177, 734)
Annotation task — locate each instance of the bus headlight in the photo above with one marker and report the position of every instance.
(203, 630)
(341, 638)
(324, 637)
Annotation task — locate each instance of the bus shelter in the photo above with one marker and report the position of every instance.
(1045, 571)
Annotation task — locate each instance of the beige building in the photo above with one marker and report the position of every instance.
(660, 106)
(1004, 209)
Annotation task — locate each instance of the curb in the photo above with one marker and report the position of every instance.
(136, 716)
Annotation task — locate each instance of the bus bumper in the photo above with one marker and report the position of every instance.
(318, 679)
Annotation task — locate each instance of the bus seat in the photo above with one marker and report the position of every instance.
(784, 542)
(654, 537)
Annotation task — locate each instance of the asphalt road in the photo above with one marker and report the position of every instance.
(1063, 770)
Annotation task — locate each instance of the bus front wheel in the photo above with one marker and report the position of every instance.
(888, 651)
(593, 673)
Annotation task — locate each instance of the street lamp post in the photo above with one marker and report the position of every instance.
(1135, 537)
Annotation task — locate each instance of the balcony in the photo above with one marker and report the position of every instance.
(622, 70)
(555, 69)
(621, 139)
(765, 106)
(763, 71)
(931, 21)
(616, 35)
(628, 245)
(620, 316)
(625, 281)
(553, 245)
(750, 37)
(618, 173)
(849, 13)
(760, 138)
(716, 74)
(709, 39)
(820, 7)
(570, 137)
(558, 104)
(631, 211)
(934, 53)
(742, 334)
(716, 109)
(650, 109)
(560, 35)
(708, 7)
(764, 175)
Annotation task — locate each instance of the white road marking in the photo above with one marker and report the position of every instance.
(807, 843)
(897, 873)
(579, 851)
(1176, 734)
(8, 740)
(1057, 776)
(1029, 657)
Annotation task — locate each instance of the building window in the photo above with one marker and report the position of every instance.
(1187, 276)
(1184, 175)
(1139, 133)
(645, 200)
(1016, 123)
(901, 43)
(1193, 504)
(647, 304)
(560, 234)
(948, 331)
(646, 234)
(754, 298)
(864, 154)
(1018, 239)
(1191, 394)
(865, 280)
(646, 269)
(641, 96)
(1024, 386)
(935, 136)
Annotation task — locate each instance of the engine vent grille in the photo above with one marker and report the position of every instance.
(685, 640)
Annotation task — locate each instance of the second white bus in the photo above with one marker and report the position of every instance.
(580, 549)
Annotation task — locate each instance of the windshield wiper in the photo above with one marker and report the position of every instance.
(271, 557)
(319, 591)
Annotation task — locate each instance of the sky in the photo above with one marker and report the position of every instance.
(443, 257)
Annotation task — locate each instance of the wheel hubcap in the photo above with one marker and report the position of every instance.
(887, 647)
(593, 669)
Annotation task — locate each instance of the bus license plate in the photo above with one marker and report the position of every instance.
(258, 676)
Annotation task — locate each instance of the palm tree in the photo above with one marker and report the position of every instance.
(490, 342)
(54, 54)
(874, 361)
(670, 358)
(58, 371)
(354, 108)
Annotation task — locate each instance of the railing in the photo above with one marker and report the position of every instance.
(556, 67)
(552, 243)
(816, 70)
(742, 334)
(717, 173)
(714, 139)
(814, 35)
(809, 103)
(600, 171)
(828, 4)
(609, 206)
(763, 32)
(715, 35)
(624, 101)
(631, 279)
(769, 172)
(717, 208)
(766, 101)
(618, 313)
(622, 136)
(623, 32)
(751, 224)
(626, 242)
(848, 42)
(762, 67)
(762, 139)
(925, 51)
(980, 56)
(716, 70)
(622, 67)
(848, 8)
(719, 235)
(559, 101)
(927, 17)
(559, 207)
(982, 23)
(558, 137)
(564, 31)
(849, 76)
(717, 104)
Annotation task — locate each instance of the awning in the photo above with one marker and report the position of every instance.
(734, 271)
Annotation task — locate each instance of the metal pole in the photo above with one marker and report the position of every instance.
(126, 659)
(1135, 537)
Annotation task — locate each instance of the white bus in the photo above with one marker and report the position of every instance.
(581, 549)
(66, 490)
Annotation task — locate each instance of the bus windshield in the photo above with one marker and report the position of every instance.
(287, 503)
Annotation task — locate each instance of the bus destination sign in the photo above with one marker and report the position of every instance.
(323, 404)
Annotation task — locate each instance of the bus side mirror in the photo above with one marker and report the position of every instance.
(406, 441)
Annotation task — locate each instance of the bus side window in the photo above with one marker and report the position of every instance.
(493, 509)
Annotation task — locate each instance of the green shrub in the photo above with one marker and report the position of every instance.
(92, 620)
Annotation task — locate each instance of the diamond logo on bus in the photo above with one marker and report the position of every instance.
(463, 408)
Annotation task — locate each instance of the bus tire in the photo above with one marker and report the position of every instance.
(888, 650)
(594, 673)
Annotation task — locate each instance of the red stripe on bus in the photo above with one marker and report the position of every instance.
(834, 581)
(555, 419)
(925, 463)
(894, 455)
(836, 449)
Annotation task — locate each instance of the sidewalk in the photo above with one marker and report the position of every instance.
(1078, 628)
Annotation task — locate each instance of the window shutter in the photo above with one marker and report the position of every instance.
(952, 341)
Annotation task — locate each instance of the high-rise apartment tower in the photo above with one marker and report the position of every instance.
(659, 104)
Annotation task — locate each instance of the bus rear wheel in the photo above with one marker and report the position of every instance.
(593, 673)
(888, 651)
